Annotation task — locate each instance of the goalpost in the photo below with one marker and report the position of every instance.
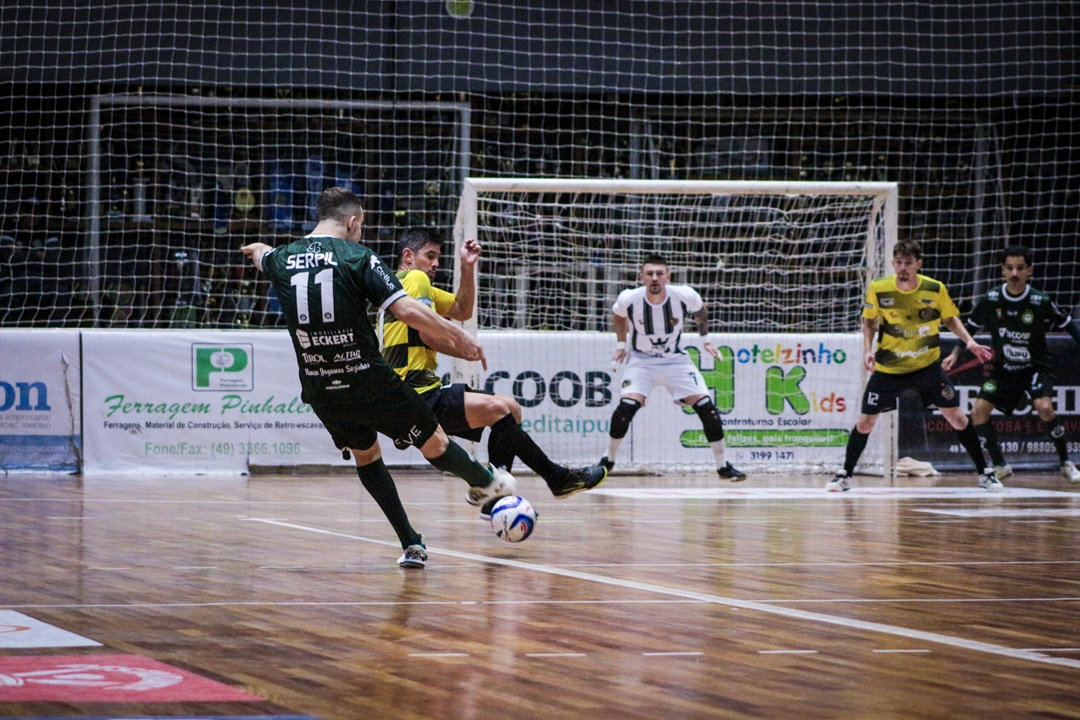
(782, 268)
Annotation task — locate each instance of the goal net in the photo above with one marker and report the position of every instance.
(781, 266)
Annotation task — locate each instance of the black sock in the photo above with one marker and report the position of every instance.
(507, 437)
(856, 443)
(1057, 434)
(970, 440)
(990, 442)
(377, 481)
(499, 452)
(455, 460)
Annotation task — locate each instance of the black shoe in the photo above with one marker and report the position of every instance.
(608, 465)
(485, 510)
(580, 480)
(728, 472)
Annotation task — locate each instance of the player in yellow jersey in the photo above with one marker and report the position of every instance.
(905, 313)
(464, 411)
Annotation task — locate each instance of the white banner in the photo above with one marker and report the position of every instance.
(188, 401)
(786, 401)
(39, 400)
(222, 401)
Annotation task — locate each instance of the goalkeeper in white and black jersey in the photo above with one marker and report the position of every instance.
(649, 322)
(1018, 316)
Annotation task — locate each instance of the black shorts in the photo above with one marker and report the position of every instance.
(395, 410)
(933, 386)
(1004, 390)
(448, 404)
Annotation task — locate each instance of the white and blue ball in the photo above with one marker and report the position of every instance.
(513, 518)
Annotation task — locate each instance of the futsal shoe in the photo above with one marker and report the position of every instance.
(1003, 471)
(580, 480)
(988, 481)
(609, 465)
(502, 484)
(415, 556)
(1069, 471)
(728, 472)
(839, 483)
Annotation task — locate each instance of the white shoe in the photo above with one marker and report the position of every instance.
(1003, 471)
(839, 483)
(1069, 471)
(502, 484)
(415, 556)
(988, 481)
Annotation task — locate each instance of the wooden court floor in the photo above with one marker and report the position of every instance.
(652, 598)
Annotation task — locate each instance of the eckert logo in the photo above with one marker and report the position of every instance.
(216, 367)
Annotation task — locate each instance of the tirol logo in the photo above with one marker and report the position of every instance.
(217, 367)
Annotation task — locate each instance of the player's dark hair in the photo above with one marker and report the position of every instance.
(1016, 251)
(338, 203)
(414, 239)
(907, 248)
(654, 259)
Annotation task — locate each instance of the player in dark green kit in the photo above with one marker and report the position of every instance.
(1017, 316)
(325, 282)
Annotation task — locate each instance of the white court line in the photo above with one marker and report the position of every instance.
(545, 655)
(438, 655)
(962, 643)
(898, 492)
(1003, 512)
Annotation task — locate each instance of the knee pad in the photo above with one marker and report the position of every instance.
(710, 419)
(624, 413)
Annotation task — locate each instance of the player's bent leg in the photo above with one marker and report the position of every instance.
(484, 483)
(620, 425)
(969, 438)
(508, 440)
(713, 427)
(484, 410)
(856, 444)
(623, 416)
(984, 428)
(376, 479)
(1045, 408)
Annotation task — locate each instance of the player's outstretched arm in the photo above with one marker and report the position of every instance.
(255, 252)
(980, 351)
(438, 334)
(465, 295)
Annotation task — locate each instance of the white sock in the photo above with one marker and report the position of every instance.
(718, 449)
(613, 447)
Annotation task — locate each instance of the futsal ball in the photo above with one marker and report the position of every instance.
(513, 518)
